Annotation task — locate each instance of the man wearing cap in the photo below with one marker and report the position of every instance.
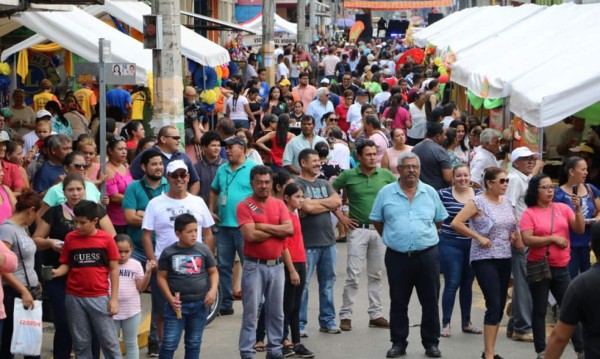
(265, 223)
(305, 92)
(30, 138)
(284, 87)
(524, 165)
(23, 119)
(354, 116)
(230, 186)
(159, 219)
(320, 106)
(334, 98)
(168, 144)
(329, 62)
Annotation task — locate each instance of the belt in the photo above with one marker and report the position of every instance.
(416, 253)
(268, 262)
(365, 226)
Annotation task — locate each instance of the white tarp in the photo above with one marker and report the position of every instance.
(281, 25)
(422, 38)
(79, 32)
(193, 46)
(484, 24)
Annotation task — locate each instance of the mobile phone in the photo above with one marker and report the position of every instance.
(575, 188)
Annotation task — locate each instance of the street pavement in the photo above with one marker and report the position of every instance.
(220, 338)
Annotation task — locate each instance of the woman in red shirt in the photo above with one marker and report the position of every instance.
(342, 110)
(278, 138)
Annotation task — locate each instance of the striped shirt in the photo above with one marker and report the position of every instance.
(129, 297)
(452, 207)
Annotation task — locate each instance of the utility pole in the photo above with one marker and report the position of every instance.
(301, 22)
(166, 61)
(268, 11)
(312, 20)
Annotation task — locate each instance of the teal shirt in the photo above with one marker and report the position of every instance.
(137, 199)
(233, 187)
(55, 195)
(408, 226)
(362, 190)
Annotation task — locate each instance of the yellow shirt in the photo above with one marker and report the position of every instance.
(137, 105)
(40, 100)
(87, 100)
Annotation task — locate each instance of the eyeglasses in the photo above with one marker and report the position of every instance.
(333, 119)
(546, 187)
(79, 166)
(502, 180)
(410, 167)
(176, 138)
(178, 176)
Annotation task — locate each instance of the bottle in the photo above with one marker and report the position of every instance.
(178, 311)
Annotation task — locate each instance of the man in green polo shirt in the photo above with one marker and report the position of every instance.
(361, 186)
(136, 198)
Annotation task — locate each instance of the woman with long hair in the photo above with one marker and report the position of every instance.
(493, 229)
(545, 229)
(396, 116)
(251, 152)
(363, 61)
(450, 143)
(118, 178)
(275, 104)
(238, 108)
(433, 87)
(279, 139)
(73, 113)
(50, 232)
(391, 155)
(455, 251)
(254, 103)
(328, 121)
(59, 123)
(462, 150)
(23, 283)
(576, 171)
(135, 132)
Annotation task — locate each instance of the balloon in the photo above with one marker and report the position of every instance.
(443, 79)
(225, 72)
(209, 97)
(437, 61)
(219, 71)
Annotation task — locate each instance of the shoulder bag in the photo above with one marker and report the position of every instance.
(36, 292)
(540, 270)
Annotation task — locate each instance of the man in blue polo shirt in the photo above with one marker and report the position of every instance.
(168, 144)
(135, 201)
(407, 214)
(230, 186)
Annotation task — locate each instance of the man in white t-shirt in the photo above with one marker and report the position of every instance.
(159, 218)
(282, 71)
(354, 115)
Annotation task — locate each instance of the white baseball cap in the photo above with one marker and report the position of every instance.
(176, 165)
(43, 113)
(522, 152)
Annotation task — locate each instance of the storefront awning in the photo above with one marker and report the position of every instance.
(396, 5)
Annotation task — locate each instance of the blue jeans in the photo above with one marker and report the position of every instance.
(580, 261)
(229, 241)
(321, 259)
(193, 320)
(140, 256)
(241, 123)
(539, 294)
(454, 262)
(260, 280)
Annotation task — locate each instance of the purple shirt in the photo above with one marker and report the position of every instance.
(497, 223)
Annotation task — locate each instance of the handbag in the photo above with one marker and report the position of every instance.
(27, 329)
(540, 270)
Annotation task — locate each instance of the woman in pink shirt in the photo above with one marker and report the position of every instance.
(118, 178)
(545, 229)
(397, 116)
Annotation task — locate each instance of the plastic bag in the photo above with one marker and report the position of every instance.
(27, 332)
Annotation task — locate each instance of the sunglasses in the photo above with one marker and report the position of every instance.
(502, 180)
(178, 176)
(176, 138)
(79, 166)
(333, 119)
(118, 138)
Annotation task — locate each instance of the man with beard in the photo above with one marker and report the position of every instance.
(136, 198)
(408, 214)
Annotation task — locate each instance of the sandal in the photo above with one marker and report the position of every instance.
(287, 344)
(472, 329)
(445, 331)
(260, 346)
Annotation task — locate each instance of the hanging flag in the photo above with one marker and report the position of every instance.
(356, 30)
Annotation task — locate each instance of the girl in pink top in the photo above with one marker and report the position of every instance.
(8, 264)
(7, 199)
(118, 178)
(132, 281)
(545, 229)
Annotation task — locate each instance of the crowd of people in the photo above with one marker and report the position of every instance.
(375, 157)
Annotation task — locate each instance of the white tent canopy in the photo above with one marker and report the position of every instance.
(423, 37)
(492, 65)
(280, 25)
(193, 45)
(79, 32)
(484, 24)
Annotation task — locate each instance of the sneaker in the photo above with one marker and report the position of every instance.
(380, 322)
(541, 355)
(330, 330)
(224, 311)
(509, 333)
(303, 333)
(522, 337)
(302, 352)
(288, 351)
(153, 349)
(346, 325)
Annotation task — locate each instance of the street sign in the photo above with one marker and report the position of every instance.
(120, 73)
